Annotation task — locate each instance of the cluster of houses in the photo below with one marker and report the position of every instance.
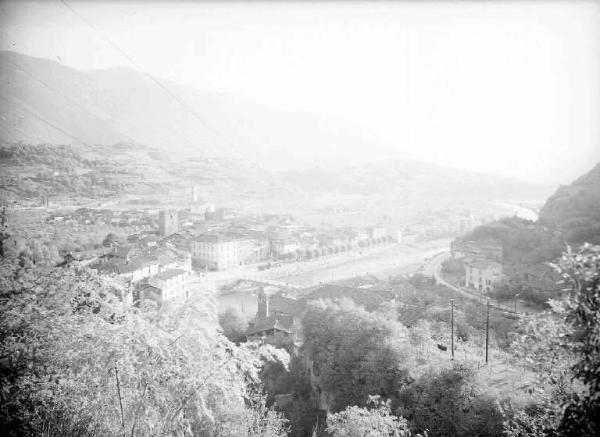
(157, 273)
(482, 262)
(105, 217)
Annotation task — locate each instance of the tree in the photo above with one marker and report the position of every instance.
(582, 412)
(76, 361)
(110, 240)
(560, 346)
(363, 422)
(448, 403)
(354, 353)
(233, 324)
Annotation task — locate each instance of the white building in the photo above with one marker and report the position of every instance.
(173, 285)
(482, 275)
(217, 252)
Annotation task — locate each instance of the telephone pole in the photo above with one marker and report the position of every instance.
(487, 331)
(452, 345)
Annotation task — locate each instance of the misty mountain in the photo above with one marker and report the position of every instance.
(411, 179)
(46, 102)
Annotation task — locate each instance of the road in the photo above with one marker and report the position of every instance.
(433, 267)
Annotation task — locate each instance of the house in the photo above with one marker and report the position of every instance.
(132, 269)
(282, 244)
(482, 275)
(376, 232)
(216, 251)
(277, 319)
(396, 235)
(482, 249)
(219, 214)
(173, 285)
(251, 250)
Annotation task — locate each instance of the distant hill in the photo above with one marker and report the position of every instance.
(164, 133)
(412, 179)
(46, 102)
(575, 209)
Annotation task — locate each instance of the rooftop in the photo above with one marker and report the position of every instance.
(279, 323)
(482, 264)
(168, 274)
(215, 238)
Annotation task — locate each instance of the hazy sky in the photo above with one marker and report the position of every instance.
(510, 88)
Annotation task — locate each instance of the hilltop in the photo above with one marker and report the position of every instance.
(575, 208)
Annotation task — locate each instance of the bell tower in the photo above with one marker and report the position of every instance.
(263, 305)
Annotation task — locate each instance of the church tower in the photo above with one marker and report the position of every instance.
(263, 305)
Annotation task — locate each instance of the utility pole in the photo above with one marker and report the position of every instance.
(487, 331)
(452, 345)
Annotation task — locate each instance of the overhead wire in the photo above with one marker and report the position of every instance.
(219, 135)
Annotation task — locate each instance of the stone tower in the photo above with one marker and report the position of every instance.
(263, 305)
(168, 222)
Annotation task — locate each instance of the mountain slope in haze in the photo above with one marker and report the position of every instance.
(412, 179)
(174, 129)
(575, 208)
(46, 102)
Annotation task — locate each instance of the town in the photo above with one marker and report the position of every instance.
(299, 219)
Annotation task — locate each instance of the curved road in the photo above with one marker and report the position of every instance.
(433, 268)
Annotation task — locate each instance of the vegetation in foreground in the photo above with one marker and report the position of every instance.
(74, 361)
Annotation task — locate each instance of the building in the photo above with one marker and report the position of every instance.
(396, 235)
(482, 275)
(277, 319)
(282, 245)
(216, 251)
(251, 251)
(477, 250)
(377, 232)
(173, 285)
(219, 214)
(132, 270)
(278, 315)
(168, 222)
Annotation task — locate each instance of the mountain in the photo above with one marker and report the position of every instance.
(46, 102)
(411, 179)
(575, 208)
(163, 133)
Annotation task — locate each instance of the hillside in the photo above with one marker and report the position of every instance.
(411, 179)
(46, 102)
(163, 136)
(575, 209)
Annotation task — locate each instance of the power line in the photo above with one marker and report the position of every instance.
(68, 99)
(180, 101)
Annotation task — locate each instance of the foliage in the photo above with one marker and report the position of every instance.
(363, 422)
(109, 240)
(582, 413)
(448, 403)
(354, 353)
(233, 324)
(76, 361)
(541, 348)
(561, 346)
(523, 241)
(575, 209)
